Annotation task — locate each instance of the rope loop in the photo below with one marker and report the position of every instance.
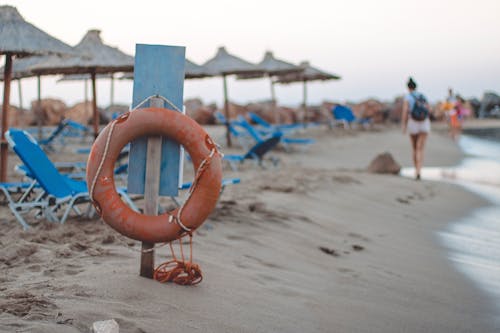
(199, 172)
(179, 271)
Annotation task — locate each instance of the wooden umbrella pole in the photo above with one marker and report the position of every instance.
(5, 119)
(277, 119)
(112, 92)
(38, 112)
(20, 93)
(94, 106)
(226, 112)
(86, 92)
(304, 104)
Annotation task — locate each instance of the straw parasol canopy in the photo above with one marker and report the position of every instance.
(82, 77)
(19, 38)
(224, 64)
(273, 67)
(309, 73)
(195, 71)
(94, 58)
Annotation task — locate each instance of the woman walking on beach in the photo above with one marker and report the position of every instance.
(415, 120)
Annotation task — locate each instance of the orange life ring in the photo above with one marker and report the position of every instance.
(150, 122)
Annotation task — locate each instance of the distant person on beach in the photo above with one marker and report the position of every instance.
(415, 120)
(455, 113)
(450, 112)
(451, 98)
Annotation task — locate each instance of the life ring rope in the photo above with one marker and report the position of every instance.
(179, 271)
(203, 166)
(101, 162)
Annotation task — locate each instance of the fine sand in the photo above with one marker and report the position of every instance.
(314, 245)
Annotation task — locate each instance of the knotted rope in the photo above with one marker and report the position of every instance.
(182, 272)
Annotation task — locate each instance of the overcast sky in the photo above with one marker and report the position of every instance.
(373, 45)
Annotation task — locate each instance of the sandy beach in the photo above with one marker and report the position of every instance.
(316, 244)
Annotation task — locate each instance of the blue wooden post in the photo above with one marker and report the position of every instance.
(154, 161)
(158, 70)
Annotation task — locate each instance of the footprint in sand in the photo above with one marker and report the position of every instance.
(71, 272)
(418, 195)
(403, 200)
(109, 239)
(34, 268)
(71, 269)
(23, 304)
(347, 272)
(346, 180)
(263, 262)
(329, 251)
(277, 188)
(357, 247)
(358, 236)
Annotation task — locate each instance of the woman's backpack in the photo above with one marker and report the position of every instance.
(419, 111)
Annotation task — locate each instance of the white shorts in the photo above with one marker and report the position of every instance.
(415, 127)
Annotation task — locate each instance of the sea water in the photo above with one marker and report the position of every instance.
(473, 242)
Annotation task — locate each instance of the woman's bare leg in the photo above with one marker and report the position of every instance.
(414, 139)
(420, 145)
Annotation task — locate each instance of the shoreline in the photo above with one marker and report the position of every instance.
(316, 245)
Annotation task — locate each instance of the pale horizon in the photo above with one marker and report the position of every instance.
(374, 46)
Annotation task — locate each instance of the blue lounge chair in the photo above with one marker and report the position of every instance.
(243, 138)
(66, 128)
(259, 137)
(225, 182)
(285, 128)
(345, 115)
(59, 190)
(256, 153)
(22, 198)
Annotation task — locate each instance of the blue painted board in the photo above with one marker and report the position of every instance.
(158, 70)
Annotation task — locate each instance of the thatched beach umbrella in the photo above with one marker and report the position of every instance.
(224, 64)
(308, 74)
(273, 67)
(19, 38)
(96, 58)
